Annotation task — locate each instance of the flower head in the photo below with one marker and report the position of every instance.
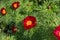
(14, 29)
(3, 11)
(57, 32)
(29, 22)
(15, 5)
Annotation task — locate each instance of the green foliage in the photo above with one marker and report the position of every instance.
(47, 19)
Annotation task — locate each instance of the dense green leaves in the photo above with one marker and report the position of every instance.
(47, 19)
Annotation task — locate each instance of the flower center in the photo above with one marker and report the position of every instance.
(3, 11)
(59, 33)
(15, 5)
(15, 29)
(29, 23)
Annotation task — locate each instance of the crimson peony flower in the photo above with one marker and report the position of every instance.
(3, 11)
(15, 5)
(57, 32)
(29, 22)
(14, 29)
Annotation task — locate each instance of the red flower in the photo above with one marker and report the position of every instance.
(3, 11)
(59, 39)
(57, 32)
(14, 29)
(29, 22)
(15, 5)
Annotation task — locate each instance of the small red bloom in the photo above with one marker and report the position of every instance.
(3, 11)
(14, 29)
(15, 5)
(57, 32)
(29, 22)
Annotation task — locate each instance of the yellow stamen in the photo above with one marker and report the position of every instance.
(3, 11)
(29, 23)
(59, 33)
(15, 5)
